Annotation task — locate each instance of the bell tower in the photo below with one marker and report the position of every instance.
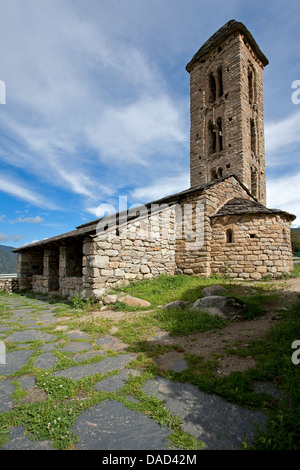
(226, 108)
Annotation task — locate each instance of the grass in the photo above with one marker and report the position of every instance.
(184, 322)
(164, 289)
(66, 399)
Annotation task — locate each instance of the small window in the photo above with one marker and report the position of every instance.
(220, 133)
(251, 84)
(252, 235)
(253, 136)
(212, 135)
(229, 236)
(220, 82)
(213, 175)
(212, 88)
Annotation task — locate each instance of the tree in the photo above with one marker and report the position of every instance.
(295, 240)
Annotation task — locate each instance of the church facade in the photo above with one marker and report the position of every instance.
(220, 225)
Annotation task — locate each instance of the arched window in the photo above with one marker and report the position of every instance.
(251, 84)
(229, 236)
(212, 138)
(213, 175)
(220, 133)
(253, 136)
(220, 172)
(212, 88)
(220, 81)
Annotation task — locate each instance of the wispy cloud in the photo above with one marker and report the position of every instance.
(75, 117)
(31, 220)
(283, 193)
(283, 134)
(5, 238)
(19, 190)
(163, 187)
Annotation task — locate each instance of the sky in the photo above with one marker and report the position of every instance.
(95, 105)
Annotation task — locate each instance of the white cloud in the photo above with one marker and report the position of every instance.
(31, 220)
(71, 110)
(5, 238)
(283, 193)
(131, 133)
(163, 187)
(282, 134)
(2, 217)
(20, 191)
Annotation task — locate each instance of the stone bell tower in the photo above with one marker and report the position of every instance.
(227, 113)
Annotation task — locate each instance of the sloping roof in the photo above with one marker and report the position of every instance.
(90, 228)
(177, 196)
(234, 206)
(239, 205)
(218, 38)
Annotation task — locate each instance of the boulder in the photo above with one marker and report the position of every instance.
(110, 299)
(215, 289)
(133, 301)
(226, 307)
(179, 304)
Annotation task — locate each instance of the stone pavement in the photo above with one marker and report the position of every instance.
(108, 424)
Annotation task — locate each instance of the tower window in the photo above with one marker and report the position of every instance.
(212, 88)
(220, 82)
(251, 89)
(229, 236)
(216, 174)
(212, 138)
(253, 136)
(220, 133)
(213, 175)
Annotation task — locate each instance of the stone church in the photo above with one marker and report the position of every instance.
(227, 227)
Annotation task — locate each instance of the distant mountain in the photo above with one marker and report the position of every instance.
(8, 260)
(296, 229)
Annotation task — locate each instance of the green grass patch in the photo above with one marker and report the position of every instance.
(182, 322)
(164, 289)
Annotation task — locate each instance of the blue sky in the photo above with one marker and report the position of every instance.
(97, 104)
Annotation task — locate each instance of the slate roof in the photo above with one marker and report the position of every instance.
(239, 205)
(235, 206)
(219, 37)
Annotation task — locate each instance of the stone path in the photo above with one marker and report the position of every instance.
(108, 424)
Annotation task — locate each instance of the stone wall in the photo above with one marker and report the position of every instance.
(143, 249)
(195, 260)
(9, 284)
(259, 245)
(70, 286)
(29, 265)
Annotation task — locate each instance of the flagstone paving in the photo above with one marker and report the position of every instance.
(31, 334)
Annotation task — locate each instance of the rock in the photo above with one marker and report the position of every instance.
(134, 301)
(110, 299)
(178, 304)
(215, 289)
(226, 307)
